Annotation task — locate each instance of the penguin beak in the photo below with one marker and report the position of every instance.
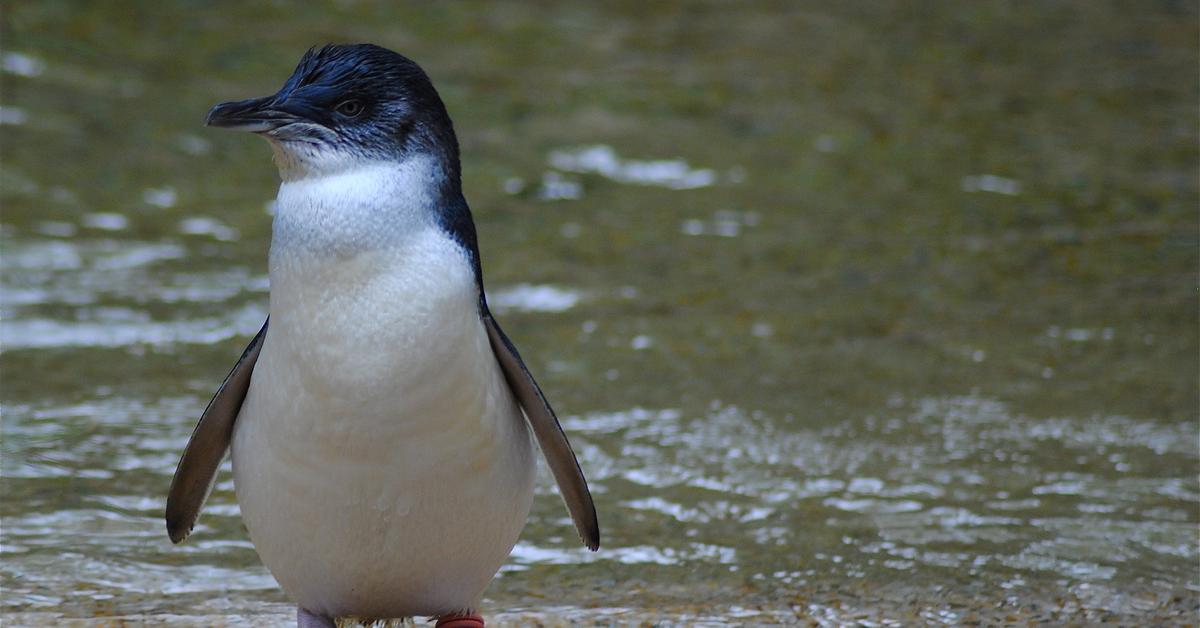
(256, 115)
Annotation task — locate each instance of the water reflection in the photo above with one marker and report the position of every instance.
(530, 298)
(600, 159)
(21, 64)
(724, 223)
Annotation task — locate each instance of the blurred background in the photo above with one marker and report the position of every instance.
(854, 312)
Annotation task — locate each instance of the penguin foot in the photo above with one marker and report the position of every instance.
(309, 619)
(460, 621)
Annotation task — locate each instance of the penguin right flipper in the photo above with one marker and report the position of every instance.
(197, 470)
(550, 437)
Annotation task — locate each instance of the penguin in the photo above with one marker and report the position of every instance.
(381, 423)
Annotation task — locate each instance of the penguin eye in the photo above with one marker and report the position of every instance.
(349, 108)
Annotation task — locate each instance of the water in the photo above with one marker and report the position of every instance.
(879, 315)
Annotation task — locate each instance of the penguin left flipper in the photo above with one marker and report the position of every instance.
(551, 439)
(197, 470)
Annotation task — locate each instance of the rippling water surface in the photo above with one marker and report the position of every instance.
(879, 316)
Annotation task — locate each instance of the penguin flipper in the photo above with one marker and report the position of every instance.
(551, 439)
(197, 470)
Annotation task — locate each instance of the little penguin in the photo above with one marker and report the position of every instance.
(380, 421)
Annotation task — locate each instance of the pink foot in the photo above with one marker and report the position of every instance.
(460, 621)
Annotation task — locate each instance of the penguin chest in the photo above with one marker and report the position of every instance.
(382, 465)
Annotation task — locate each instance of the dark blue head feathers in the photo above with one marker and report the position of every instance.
(359, 99)
(376, 100)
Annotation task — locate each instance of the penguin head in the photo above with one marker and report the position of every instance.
(346, 105)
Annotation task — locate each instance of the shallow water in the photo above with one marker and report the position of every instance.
(853, 315)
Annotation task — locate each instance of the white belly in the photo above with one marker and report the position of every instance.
(382, 466)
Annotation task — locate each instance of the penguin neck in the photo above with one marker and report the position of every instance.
(366, 206)
(380, 217)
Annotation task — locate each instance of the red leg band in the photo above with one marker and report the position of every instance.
(460, 621)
